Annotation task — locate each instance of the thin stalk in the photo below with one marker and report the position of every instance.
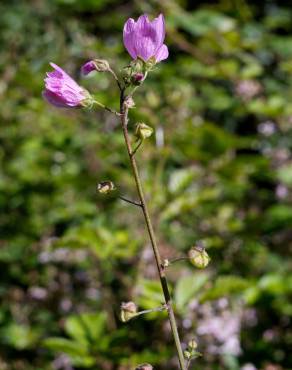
(106, 108)
(129, 201)
(116, 78)
(161, 272)
(157, 309)
(137, 147)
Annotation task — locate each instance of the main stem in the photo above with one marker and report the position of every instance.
(161, 272)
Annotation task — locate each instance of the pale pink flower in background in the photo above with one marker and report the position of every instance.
(281, 191)
(144, 38)
(267, 128)
(62, 91)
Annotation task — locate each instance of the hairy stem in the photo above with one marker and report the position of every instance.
(161, 272)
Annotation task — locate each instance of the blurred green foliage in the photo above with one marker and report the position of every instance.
(219, 170)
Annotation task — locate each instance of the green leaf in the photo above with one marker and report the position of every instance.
(187, 287)
(67, 346)
(225, 286)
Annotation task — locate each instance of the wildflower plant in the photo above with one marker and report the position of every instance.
(144, 41)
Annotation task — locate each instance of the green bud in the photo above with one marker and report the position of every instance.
(143, 131)
(128, 311)
(192, 344)
(105, 187)
(199, 257)
(187, 355)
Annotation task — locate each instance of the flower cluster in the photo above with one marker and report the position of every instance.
(144, 40)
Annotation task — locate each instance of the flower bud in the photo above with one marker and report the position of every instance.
(99, 65)
(129, 102)
(138, 78)
(199, 257)
(144, 367)
(105, 187)
(128, 311)
(143, 131)
(192, 344)
(187, 355)
(126, 74)
(165, 263)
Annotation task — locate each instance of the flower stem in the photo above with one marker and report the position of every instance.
(106, 108)
(161, 272)
(137, 147)
(157, 309)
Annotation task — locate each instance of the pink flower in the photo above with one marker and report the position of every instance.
(144, 39)
(62, 91)
(88, 67)
(99, 65)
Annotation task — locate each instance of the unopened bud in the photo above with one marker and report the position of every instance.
(99, 65)
(187, 355)
(143, 131)
(138, 78)
(199, 257)
(105, 187)
(144, 367)
(192, 344)
(128, 311)
(129, 102)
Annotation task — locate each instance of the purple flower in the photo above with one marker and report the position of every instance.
(62, 91)
(144, 39)
(99, 65)
(88, 67)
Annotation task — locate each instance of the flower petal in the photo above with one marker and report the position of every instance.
(145, 38)
(159, 25)
(53, 99)
(128, 36)
(162, 53)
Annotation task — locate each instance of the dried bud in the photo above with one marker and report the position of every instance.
(144, 367)
(101, 65)
(187, 355)
(192, 344)
(128, 311)
(129, 102)
(166, 263)
(105, 187)
(143, 131)
(199, 257)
